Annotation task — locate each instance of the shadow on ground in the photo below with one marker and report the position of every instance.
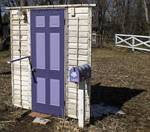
(109, 100)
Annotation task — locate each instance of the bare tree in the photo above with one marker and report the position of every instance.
(1, 28)
(22, 2)
(46, 2)
(147, 15)
(101, 10)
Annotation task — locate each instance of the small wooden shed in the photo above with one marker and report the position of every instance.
(46, 41)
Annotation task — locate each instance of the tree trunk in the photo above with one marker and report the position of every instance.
(147, 16)
(1, 30)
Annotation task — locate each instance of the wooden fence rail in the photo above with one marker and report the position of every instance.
(135, 42)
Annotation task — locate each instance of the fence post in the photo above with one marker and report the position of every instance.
(133, 43)
(115, 39)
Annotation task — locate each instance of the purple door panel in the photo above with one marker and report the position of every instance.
(55, 51)
(40, 50)
(54, 92)
(40, 90)
(47, 46)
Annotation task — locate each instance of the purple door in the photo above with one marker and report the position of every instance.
(47, 44)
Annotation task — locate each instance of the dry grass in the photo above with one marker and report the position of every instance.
(124, 79)
(119, 78)
(5, 86)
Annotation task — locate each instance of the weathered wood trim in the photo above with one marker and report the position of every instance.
(65, 59)
(12, 66)
(51, 6)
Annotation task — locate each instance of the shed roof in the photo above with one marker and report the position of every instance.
(51, 6)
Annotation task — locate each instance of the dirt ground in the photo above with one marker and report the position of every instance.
(120, 78)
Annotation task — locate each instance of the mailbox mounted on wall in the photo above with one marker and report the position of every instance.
(80, 73)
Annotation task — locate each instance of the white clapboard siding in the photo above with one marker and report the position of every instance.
(81, 28)
(83, 52)
(72, 94)
(22, 27)
(18, 38)
(17, 87)
(23, 43)
(16, 19)
(23, 62)
(74, 22)
(80, 57)
(72, 62)
(16, 23)
(23, 97)
(72, 106)
(71, 113)
(79, 10)
(24, 67)
(75, 45)
(82, 62)
(16, 16)
(15, 33)
(14, 12)
(79, 15)
(16, 42)
(24, 82)
(79, 25)
(23, 53)
(71, 85)
(81, 34)
(21, 89)
(80, 40)
(25, 103)
(25, 92)
(71, 88)
(16, 47)
(70, 100)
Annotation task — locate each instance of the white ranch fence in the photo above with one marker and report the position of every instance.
(135, 42)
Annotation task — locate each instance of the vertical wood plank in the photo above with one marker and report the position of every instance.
(81, 104)
(12, 66)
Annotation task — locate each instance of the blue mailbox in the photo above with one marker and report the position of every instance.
(74, 75)
(80, 73)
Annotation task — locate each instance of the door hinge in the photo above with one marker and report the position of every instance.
(64, 22)
(64, 103)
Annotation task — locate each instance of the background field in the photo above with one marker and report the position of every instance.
(120, 78)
